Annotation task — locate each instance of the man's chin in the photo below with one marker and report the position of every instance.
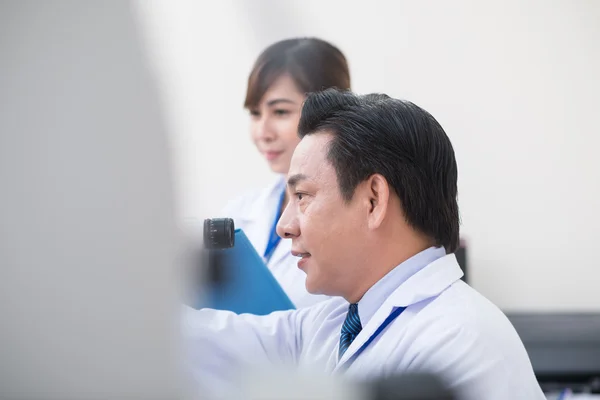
(313, 287)
(317, 288)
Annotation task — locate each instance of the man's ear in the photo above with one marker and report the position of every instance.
(378, 192)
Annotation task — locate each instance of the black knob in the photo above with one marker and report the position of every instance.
(219, 233)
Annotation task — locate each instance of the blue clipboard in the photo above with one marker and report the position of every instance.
(248, 286)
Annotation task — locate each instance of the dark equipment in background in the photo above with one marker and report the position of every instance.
(410, 387)
(564, 349)
(203, 261)
(219, 234)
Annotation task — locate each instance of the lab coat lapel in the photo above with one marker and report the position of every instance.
(428, 282)
(257, 231)
(258, 220)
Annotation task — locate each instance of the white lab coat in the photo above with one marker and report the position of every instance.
(254, 213)
(447, 328)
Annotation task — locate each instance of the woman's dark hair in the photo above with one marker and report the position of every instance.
(375, 134)
(312, 63)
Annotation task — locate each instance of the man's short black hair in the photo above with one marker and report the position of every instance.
(375, 134)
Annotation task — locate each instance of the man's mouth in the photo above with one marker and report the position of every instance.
(303, 258)
(300, 254)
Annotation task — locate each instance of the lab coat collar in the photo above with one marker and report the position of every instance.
(266, 202)
(376, 296)
(258, 219)
(426, 283)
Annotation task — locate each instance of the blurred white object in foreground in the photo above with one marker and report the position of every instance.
(87, 234)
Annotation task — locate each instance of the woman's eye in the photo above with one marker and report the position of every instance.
(299, 196)
(281, 112)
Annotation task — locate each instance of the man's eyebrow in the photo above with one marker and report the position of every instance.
(294, 179)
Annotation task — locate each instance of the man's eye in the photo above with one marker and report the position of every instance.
(299, 196)
(281, 112)
(254, 113)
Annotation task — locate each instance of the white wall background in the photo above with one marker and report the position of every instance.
(515, 84)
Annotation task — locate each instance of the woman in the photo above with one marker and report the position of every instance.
(277, 86)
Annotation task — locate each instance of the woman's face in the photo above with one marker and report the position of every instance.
(274, 123)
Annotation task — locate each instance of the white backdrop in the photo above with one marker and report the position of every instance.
(514, 83)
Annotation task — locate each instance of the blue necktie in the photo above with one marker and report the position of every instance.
(350, 329)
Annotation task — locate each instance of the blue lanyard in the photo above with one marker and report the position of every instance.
(385, 323)
(274, 238)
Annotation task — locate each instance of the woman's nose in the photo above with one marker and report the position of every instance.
(263, 130)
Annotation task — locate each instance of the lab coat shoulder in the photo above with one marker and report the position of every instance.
(253, 203)
(241, 205)
(466, 339)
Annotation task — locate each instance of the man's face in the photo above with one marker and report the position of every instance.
(327, 233)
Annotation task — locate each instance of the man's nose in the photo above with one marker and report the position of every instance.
(288, 227)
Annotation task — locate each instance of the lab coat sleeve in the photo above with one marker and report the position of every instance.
(221, 345)
(474, 367)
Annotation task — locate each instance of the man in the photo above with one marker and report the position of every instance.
(373, 218)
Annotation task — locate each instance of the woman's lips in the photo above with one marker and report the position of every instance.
(272, 155)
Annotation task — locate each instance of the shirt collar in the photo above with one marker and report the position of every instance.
(378, 293)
